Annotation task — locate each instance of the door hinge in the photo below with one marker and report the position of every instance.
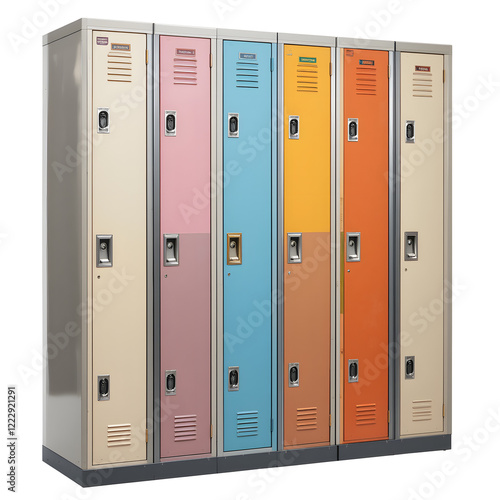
(443, 412)
(272, 64)
(444, 75)
(211, 60)
(211, 431)
(147, 56)
(330, 69)
(146, 435)
(272, 424)
(388, 71)
(389, 417)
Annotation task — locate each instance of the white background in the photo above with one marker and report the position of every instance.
(472, 468)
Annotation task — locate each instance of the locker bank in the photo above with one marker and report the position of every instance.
(235, 248)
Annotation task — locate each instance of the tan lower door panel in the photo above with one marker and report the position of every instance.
(421, 244)
(119, 276)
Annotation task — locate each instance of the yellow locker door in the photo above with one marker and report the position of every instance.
(119, 247)
(421, 244)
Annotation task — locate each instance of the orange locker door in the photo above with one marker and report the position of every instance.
(366, 236)
(307, 246)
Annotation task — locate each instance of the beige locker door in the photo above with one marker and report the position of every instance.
(119, 209)
(422, 213)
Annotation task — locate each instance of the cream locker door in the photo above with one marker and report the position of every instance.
(421, 244)
(119, 210)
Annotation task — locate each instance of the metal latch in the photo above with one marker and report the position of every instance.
(170, 123)
(234, 251)
(409, 367)
(103, 387)
(233, 378)
(170, 250)
(233, 125)
(293, 374)
(294, 248)
(170, 382)
(353, 367)
(411, 245)
(410, 131)
(103, 120)
(352, 129)
(104, 250)
(353, 247)
(293, 127)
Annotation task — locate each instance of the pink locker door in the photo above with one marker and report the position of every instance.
(185, 239)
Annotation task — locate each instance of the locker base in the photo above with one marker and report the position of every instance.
(212, 465)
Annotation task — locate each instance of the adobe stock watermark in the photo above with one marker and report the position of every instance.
(33, 24)
(224, 7)
(463, 451)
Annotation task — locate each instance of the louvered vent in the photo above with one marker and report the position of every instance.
(366, 80)
(184, 427)
(247, 75)
(307, 77)
(247, 423)
(421, 410)
(422, 84)
(185, 70)
(366, 414)
(119, 435)
(307, 419)
(119, 67)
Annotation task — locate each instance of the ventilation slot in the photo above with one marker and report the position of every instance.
(422, 85)
(119, 67)
(366, 414)
(185, 428)
(247, 423)
(366, 80)
(120, 435)
(185, 71)
(422, 410)
(307, 78)
(307, 419)
(247, 75)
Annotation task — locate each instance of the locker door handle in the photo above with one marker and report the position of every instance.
(411, 245)
(294, 248)
(170, 123)
(293, 374)
(293, 127)
(233, 125)
(234, 250)
(353, 370)
(170, 382)
(353, 247)
(170, 250)
(103, 120)
(409, 367)
(104, 250)
(233, 378)
(103, 387)
(352, 129)
(410, 131)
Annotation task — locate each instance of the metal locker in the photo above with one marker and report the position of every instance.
(185, 245)
(421, 243)
(365, 241)
(249, 248)
(119, 185)
(306, 245)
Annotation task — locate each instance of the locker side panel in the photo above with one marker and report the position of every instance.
(366, 211)
(422, 213)
(119, 209)
(247, 164)
(185, 211)
(307, 97)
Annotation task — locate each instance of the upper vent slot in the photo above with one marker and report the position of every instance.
(366, 80)
(307, 77)
(247, 75)
(185, 71)
(119, 67)
(422, 84)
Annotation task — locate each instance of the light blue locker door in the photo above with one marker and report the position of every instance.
(248, 173)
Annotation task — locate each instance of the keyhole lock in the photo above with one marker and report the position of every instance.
(233, 378)
(232, 244)
(103, 387)
(353, 368)
(293, 374)
(104, 246)
(170, 382)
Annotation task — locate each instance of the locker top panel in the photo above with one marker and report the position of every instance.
(361, 43)
(424, 48)
(186, 31)
(247, 36)
(293, 39)
(97, 24)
